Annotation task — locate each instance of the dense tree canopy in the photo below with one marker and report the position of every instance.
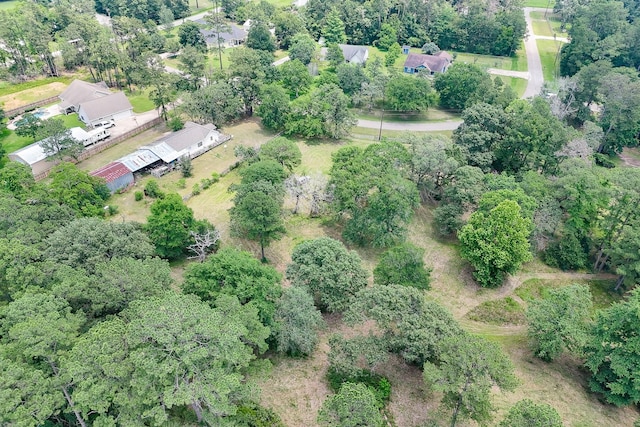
(331, 273)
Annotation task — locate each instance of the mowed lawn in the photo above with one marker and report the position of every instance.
(6, 5)
(549, 50)
(540, 3)
(518, 85)
(514, 63)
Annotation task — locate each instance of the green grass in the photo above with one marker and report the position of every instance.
(548, 50)
(7, 88)
(518, 85)
(601, 290)
(504, 311)
(539, 3)
(281, 3)
(431, 115)
(368, 134)
(6, 5)
(140, 101)
(541, 28)
(515, 63)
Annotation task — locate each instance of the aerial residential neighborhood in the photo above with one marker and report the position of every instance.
(323, 213)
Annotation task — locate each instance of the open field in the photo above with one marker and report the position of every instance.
(9, 4)
(295, 388)
(548, 28)
(140, 101)
(33, 94)
(548, 53)
(515, 63)
(540, 3)
(431, 115)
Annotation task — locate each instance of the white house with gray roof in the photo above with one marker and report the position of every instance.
(354, 54)
(94, 102)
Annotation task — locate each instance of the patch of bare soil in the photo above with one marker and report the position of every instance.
(628, 159)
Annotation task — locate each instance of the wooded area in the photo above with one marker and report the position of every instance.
(181, 320)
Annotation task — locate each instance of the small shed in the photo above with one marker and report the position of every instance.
(116, 175)
(406, 49)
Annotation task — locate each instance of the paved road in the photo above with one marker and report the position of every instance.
(536, 78)
(509, 73)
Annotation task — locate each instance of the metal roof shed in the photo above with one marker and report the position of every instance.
(116, 175)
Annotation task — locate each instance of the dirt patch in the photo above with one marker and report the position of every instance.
(28, 96)
(630, 158)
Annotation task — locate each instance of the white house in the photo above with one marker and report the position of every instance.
(94, 102)
(193, 140)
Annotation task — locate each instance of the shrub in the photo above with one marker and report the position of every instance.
(505, 311)
(152, 189)
(377, 384)
(566, 253)
(112, 210)
(254, 415)
(175, 123)
(196, 189)
(206, 183)
(138, 195)
(185, 166)
(182, 183)
(215, 177)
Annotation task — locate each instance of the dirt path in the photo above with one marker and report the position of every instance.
(629, 160)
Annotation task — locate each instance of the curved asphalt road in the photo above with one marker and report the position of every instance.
(534, 85)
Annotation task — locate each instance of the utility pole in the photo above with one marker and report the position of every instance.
(382, 114)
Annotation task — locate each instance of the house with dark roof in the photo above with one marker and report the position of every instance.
(419, 62)
(233, 36)
(116, 175)
(94, 102)
(354, 54)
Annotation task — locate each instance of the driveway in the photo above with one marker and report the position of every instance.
(536, 78)
(509, 73)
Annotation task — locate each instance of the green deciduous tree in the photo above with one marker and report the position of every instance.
(237, 273)
(283, 151)
(559, 321)
(410, 325)
(274, 106)
(87, 242)
(350, 77)
(497, 243)
(57, 141)
(393, 53)
(334, 54)
(297, 322)
(257, 215)
(217, 103)
(613, 352)
(295, 77)
(169, 226)
(527, 413)
(260, 38)
(303, 48)
(386, 37)
(468, 369)
(353, 406)
(78, 190)
(463, 85)
(189, 34)
(409, 93)
(331, 273)
(402, 265)
(29, 125)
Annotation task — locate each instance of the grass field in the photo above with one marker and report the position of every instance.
(539, 3)
(548, 50)
(516, 63)
(140, 101)
(518, 85)
(9, 4)
(431, 115)
(26, 93)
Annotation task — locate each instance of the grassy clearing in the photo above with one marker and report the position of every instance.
(540, 3)
(281, 3)
(431, 115)
(200, 5)
(369, 134)
(518, 85)
(549, 50)
(140, 101)
(515, 63)
(296, 388)
(504, 311)
(7, 88)
(601, 290)
(32, 94)
(542, 28)
(9, 4)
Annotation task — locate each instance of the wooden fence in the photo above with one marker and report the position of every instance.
(16, 111)
(105, 144)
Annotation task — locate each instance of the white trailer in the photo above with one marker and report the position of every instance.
(96, 135)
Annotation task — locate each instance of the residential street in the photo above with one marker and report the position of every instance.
(534, 77)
